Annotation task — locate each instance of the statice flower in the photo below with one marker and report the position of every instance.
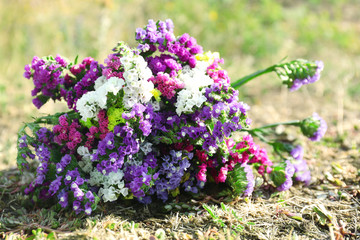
(92, 102)
(250, 178)
(152, 123)
(313, 127)
(282, 175)
(167, 85)
(46, 76)
(302, 172)
(299, 72)
(241, 179)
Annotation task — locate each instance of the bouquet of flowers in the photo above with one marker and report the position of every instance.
(153, 122)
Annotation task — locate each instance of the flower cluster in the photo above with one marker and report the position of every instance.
(151, 123)
(313, 127)
(299, 72)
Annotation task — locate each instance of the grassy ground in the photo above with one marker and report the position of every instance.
(249, 36)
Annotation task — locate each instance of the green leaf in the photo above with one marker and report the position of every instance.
(76, 59)
(210, 211)
(237, 179)
(278, 175)
(51, 236)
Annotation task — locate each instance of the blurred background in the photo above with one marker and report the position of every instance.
(249, 35)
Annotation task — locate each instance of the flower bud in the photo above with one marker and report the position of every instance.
(299, 72)
(313, 127)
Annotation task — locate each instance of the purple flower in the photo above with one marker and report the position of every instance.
(145, 200)
(249, 178)
(29, 189)
(27, 73)
(77, 206)
(55, 185)
(71, 176)
(217, 108)
(184, 38)
(65, 160)
(297, 83)
(40, 178)
(289, 172)
(297, 153)
(88, 209)
(79, 181)
(304, 177)
(63, 198)
(140, 34)
(42, 168)
(150, 160)
(78, 193)
(22, 142)
(313, 127)
(321, 129)
(43, 153)
(286, 185)
(90, 196)
(145, 127)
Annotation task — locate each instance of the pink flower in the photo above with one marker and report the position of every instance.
(201, 175)
(222, 175)
(63, 121)
(166, 85)
(230, 143)
(201, 155)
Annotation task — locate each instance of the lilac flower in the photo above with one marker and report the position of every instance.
(77, 206)
(286, 185)
(90, 196)
(321, 129)
(43, 153)
(299, 72)
(289, 172)
(145, 127)
(71, 176)
(304, 177)
(302, 172)
(65, 160)
(55, 185)
(140, 34)
(313, 127)
(63, 198)
(88, 209)
(297, 153)
(22, 142)
(250, 179)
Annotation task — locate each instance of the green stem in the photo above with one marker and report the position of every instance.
(248, 78)
(253, 132)
(293, 123)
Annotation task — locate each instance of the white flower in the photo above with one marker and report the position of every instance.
(99, 82)
(108, 194)
(136, 74)
(156, 105)
(83, 151)
(146, 147)
(96, 178)
(87, 105)
(90, 103)
(114, 178)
